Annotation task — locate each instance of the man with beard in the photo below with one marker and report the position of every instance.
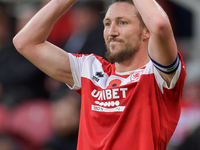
(131, 102)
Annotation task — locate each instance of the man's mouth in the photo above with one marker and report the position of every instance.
(114, 41)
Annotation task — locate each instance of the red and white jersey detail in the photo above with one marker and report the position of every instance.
(131, 110)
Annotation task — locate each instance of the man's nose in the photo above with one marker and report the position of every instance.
(113, 31)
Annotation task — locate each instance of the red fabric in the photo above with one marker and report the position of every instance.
(150, 115)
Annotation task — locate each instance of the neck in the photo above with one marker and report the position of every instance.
(137, 61)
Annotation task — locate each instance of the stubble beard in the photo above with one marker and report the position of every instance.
(126, 53)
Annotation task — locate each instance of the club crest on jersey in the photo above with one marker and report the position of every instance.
(134, 77)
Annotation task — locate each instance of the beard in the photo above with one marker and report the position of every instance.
(126, 53)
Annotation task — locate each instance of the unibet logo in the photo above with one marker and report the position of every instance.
(109, 94)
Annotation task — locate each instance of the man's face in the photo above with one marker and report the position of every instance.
(122, 32)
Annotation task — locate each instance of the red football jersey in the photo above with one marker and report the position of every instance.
(134, 110)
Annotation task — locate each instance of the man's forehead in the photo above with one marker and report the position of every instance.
(120, 9)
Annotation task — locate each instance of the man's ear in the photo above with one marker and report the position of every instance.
(146, 33)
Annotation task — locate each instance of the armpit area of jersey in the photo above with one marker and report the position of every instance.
(167, 69)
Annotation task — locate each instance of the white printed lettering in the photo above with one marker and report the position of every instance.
(102, 109)
(108, 94)
(100, 95)
(93, 93)
(115, 96)
(104, 97)
(123, 92)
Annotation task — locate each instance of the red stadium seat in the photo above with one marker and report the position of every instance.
(30, 122)
(4, 116)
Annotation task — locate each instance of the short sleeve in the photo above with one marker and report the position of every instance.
(76, 63)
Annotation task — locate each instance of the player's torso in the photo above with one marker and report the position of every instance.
(136, 105)
(107, 98)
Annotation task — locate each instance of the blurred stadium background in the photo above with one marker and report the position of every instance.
(28, 97)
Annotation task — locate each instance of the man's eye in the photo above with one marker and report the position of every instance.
(107, 24)
(122, 23)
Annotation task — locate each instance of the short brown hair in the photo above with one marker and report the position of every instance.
(130, 2)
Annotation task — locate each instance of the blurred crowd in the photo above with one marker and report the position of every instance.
(40, 113)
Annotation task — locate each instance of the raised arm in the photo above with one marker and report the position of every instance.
(31, 42)
(162, 46)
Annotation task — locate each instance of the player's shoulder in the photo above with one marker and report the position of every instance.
(90, 57)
